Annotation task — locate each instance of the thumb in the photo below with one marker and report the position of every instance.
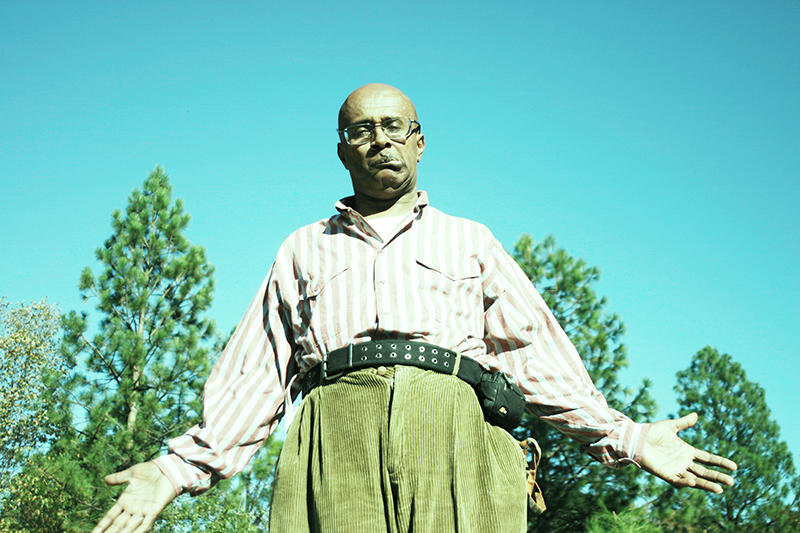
(685, 422)
(118, 478)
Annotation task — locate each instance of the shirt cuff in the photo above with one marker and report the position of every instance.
(185, 477)
(633, 438)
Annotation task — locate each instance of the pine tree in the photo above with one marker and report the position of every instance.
(150, 355)
(736, 423)
(138, 376)
(573, 484)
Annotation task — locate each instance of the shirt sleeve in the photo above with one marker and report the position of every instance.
(242, 400)
(523, 333)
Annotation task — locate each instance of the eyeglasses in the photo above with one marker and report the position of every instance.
(395, 128)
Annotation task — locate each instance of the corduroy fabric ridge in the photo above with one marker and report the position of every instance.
(397, 450)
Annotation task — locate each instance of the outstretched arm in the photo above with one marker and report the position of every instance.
(137, 508)
(670, 458)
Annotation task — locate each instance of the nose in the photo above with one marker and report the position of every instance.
(379, 136)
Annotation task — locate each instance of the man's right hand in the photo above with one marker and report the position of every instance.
(137, 508)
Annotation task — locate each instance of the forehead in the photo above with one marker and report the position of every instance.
(376, 106)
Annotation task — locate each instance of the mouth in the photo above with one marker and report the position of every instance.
(387, 163)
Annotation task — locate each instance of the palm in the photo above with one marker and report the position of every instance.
(137, 508)
(681, 465)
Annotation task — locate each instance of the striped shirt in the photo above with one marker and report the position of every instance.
(436, 279)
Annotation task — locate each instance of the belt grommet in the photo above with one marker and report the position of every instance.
(408, 356)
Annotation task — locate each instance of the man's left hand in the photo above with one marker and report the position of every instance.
(681, 465)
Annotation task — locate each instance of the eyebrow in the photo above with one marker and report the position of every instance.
(366, 121)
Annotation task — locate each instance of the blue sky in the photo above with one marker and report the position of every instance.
(659, 141)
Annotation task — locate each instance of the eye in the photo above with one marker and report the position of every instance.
(358, 132)
(359, 129)
(393, 125)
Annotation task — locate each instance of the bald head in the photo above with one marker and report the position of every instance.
(373, 95)
(383, 170)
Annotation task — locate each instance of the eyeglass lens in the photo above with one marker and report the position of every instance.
(396, 129)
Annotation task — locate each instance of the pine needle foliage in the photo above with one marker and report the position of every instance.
(736, 423)
(138, 374)
(573, 484)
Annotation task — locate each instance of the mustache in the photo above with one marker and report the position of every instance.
(383, 159)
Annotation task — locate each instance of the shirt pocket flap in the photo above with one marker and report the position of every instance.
(316, 283)
(454, 270)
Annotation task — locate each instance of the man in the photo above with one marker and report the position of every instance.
(394, 447)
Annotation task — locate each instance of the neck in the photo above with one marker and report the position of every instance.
(379, 208)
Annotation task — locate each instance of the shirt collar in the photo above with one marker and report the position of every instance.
(345, 205)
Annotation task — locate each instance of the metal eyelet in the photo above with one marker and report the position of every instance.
(446, 363)
(364, 348)
(421, 358)
(421, 349)
(435, 351)
(408, 356)
(394, 346)
(408, 346)
(393, 354)
(434, 360)
(378, 355)
(363, 357)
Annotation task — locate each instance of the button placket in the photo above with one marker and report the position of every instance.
(382, 287)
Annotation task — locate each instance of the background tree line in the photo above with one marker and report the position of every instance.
(79, 402)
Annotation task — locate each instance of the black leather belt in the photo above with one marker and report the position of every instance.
(389, 353)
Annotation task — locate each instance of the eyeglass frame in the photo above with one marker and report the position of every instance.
(373, 125)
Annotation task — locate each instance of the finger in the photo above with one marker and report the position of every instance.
(146, 525)
(118, 478)
(690, 480)
(708, 486)
(108, 519)
(686, 422)
(714, 460)
(707, 474)
(132, 524)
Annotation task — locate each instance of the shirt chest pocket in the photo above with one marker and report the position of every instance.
(450, 291)
(323, 296)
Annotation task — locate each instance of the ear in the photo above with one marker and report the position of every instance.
(340, 148)
(420, 146)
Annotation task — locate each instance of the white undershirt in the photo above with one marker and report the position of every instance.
(386, 225)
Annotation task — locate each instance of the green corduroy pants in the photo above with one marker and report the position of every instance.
(397, 450)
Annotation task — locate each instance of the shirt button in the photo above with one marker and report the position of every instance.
(381, 370)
